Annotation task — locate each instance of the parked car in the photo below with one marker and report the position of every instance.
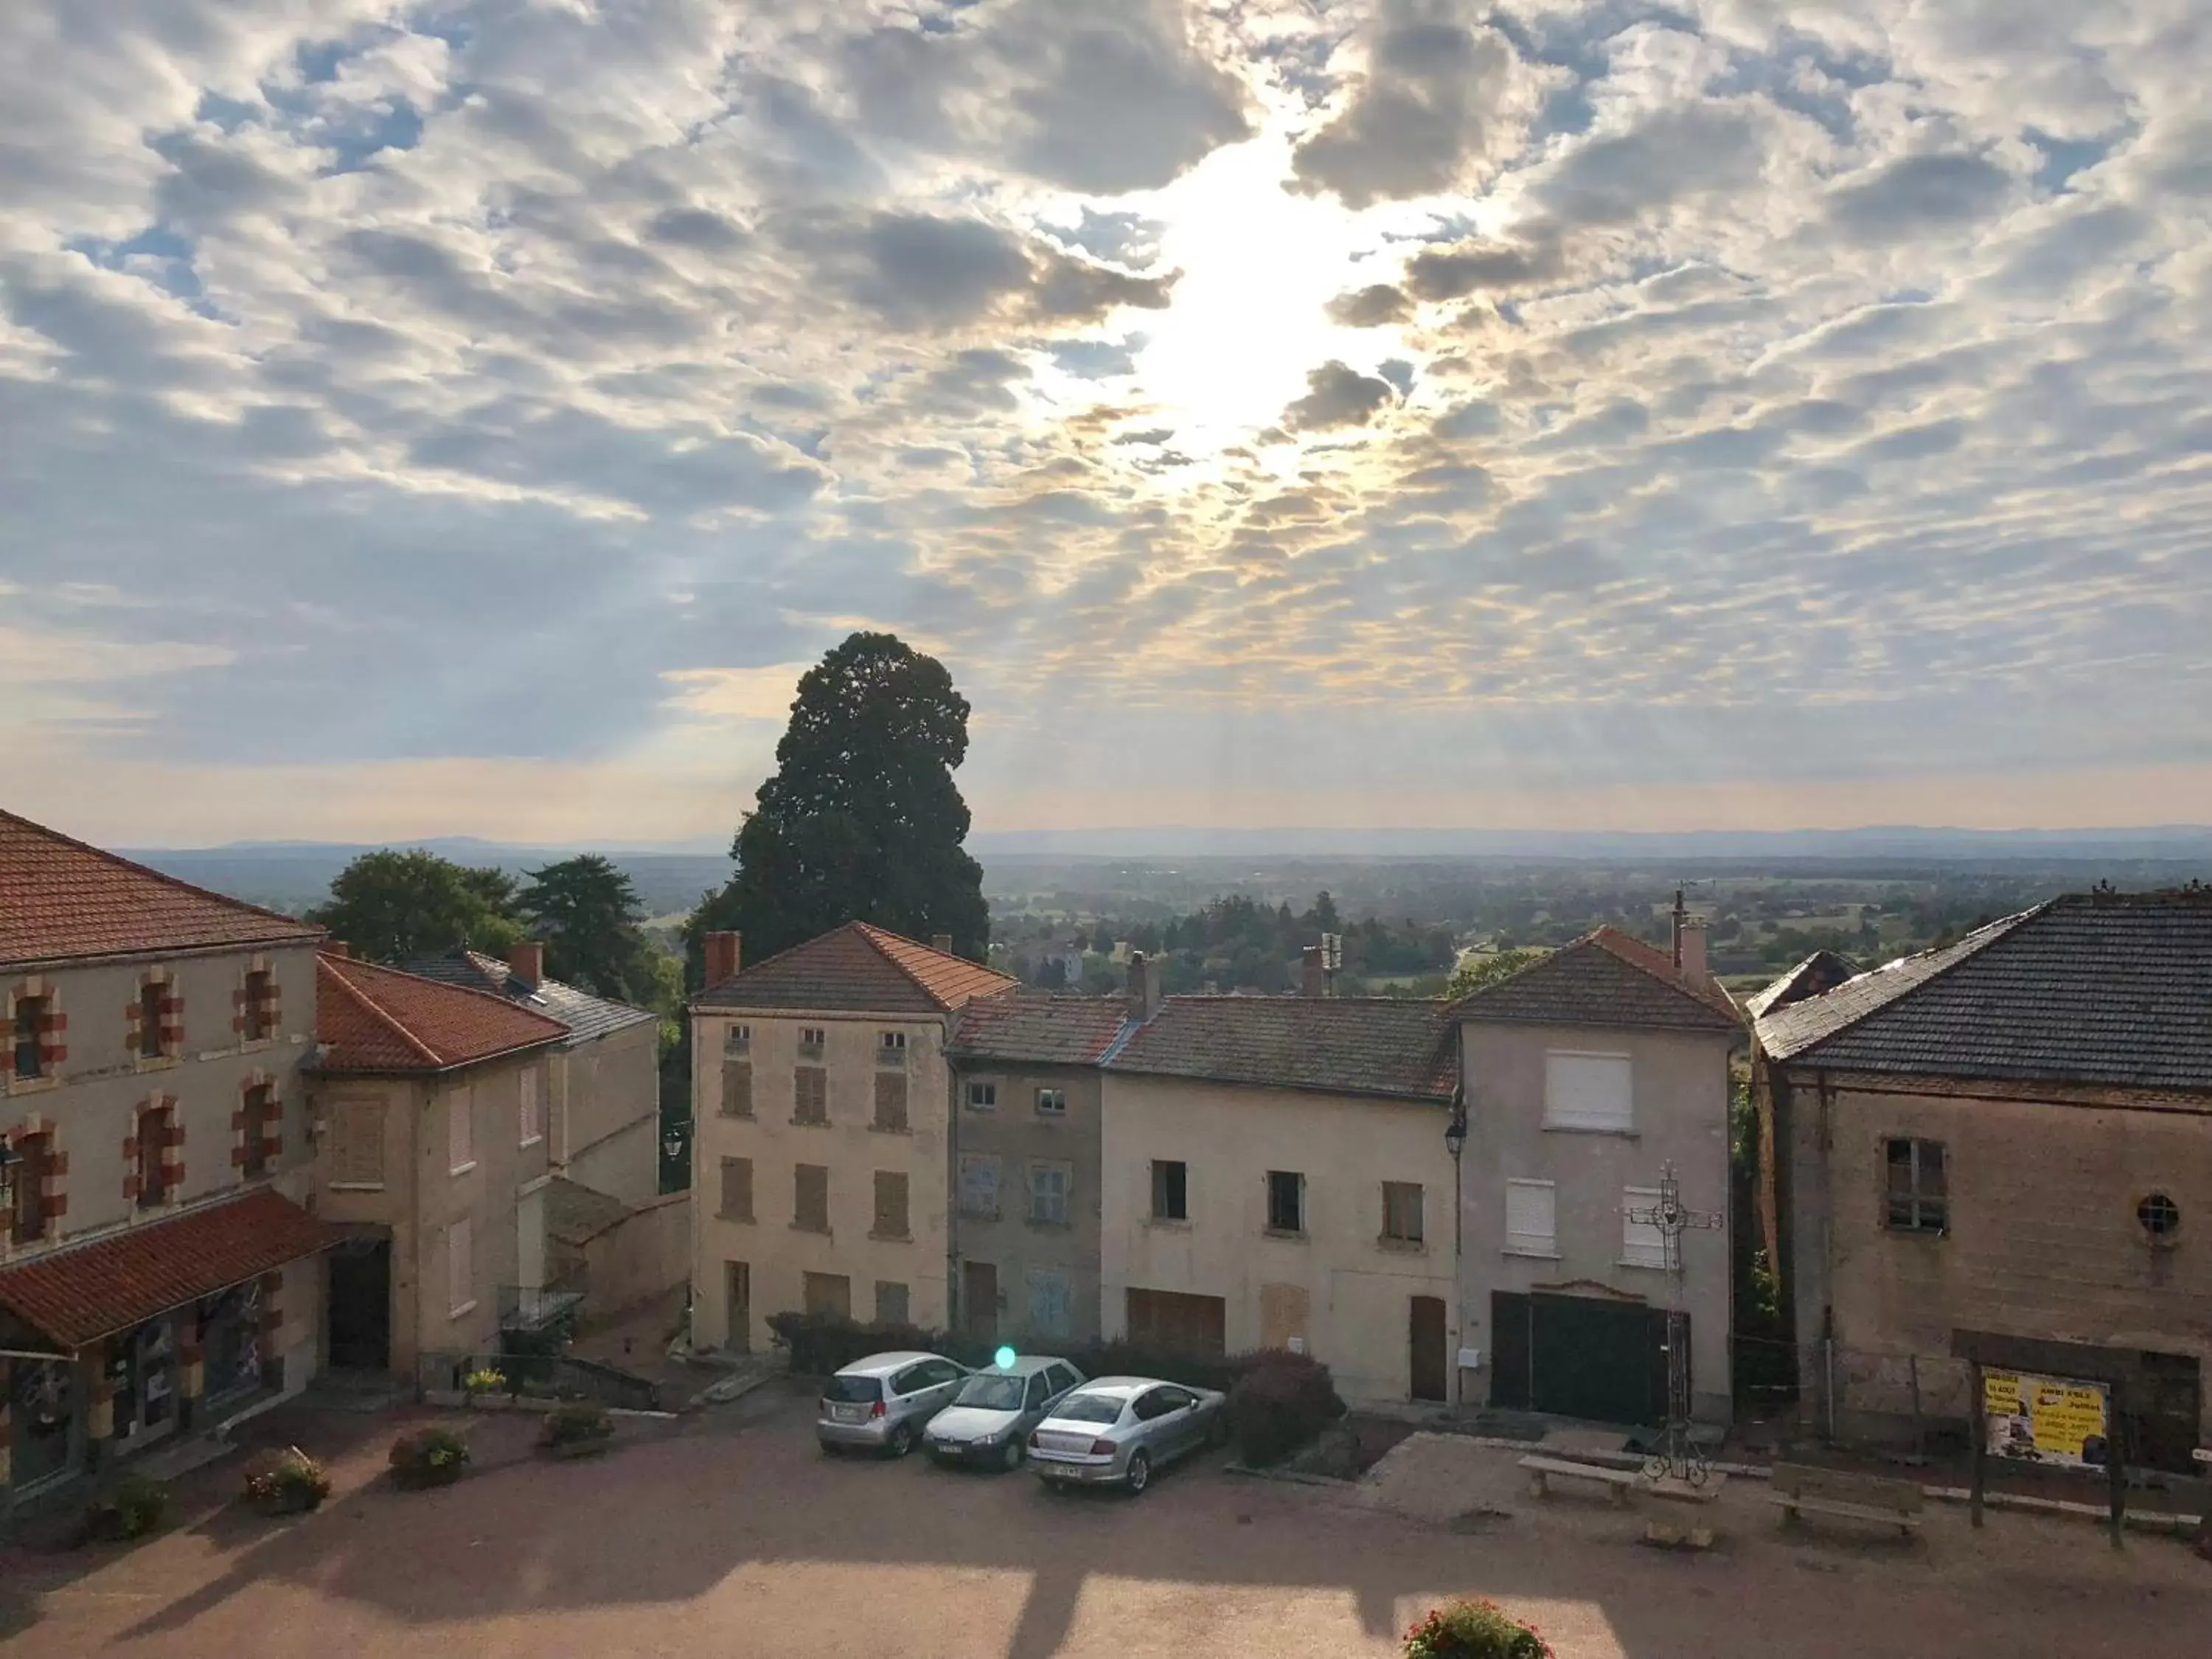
(1118, 1430)
(989, 1420)
(880, 1403)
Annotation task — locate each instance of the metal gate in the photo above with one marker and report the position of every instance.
(1577, 1356)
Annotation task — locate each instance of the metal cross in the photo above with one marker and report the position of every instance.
(1673, 1218)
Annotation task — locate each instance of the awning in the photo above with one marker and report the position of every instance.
(81, 1292)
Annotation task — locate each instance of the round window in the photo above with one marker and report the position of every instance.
(2160, 1217)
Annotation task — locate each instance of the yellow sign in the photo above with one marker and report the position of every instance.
(2045, 1419)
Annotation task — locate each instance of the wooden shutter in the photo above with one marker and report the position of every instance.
(811, 1197)
(1531, 1223)
(890, 1102)
(738, 1188)
(736, 1088)
(891, 1204)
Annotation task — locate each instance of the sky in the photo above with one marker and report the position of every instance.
(471, 418)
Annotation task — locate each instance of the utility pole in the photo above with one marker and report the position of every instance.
(1672, 1217)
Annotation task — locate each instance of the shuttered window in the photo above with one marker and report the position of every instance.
(1401, 1211)
(1531, 1218)
(461, 1268)
(979, 1186)
(1587, 1091)
(890, 1205)
(810, 1095)
(737, 1189)
(890, 1102)
(810, 1202)
(736, 1088)
(1642, 1243)
(460, 1130)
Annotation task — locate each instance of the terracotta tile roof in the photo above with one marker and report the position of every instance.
(1823, 971)
(576, 1214)
(84, 1292)
(2098, 988)
(1389, 1046)
(372, 1018)
(585, 1015)
(858, 968)
(1605, 978)
(61, 900)
(1040, 1029)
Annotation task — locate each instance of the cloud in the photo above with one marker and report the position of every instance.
(933, 272)
(1372, 306)
(1917, 195)
(1338, 395)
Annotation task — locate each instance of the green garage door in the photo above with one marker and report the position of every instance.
(1577, 1356)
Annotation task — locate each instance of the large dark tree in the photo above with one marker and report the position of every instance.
(389, 906)
(587, 911)
(862, 821)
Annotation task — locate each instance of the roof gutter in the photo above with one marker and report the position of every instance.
(159, 953)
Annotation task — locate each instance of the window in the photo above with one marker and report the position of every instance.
(2160, 1217)
(154, 1128)
(461, 1269)
(1049, 1184)
(1401, 1211)
(1051, 1309)
(460, 1130)
(153, 1001)
(810, 1198)
(1531, 1223)
(890, 1302)
(1642, 1243)
(1062, 1376)
(260, 1009)
(1287, 1201)
(737, 1039)
(890, 1049)
(737, 1189)
(812, 1041)
(1052, 1102)
(533, 1110)
(826, 1293)
(256, 1118)
(890, 1205)
(1918, 1188)
(1033, 1397)
(28, 1180)
(1587, 1091)
(31, 1036)
(1170, 1190)
(736, 1088)
(810, 1086)
(979, 1186)
(354, 1145)
(982, 1096)
(890, 1102)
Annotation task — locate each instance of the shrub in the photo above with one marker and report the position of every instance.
(486, 1381)
(131, 1506)
(286, 1478)
(1474, 1630)
(1279, 1403)
(428, 1457)
(822, 1343)
(575, 1425)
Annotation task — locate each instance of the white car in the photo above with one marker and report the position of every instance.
(990, 1418)
(880, 1403)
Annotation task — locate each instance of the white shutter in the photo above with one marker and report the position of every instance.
(1531, 1217)
(1642, 1243)
(461, 1268)
(534, 1123)
(1587, 1091)
(460, 1130)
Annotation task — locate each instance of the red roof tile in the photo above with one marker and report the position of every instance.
(1401, 1047)
(372, 1018)
(1048, 1028)
(858, 968)
(61, 900)
(1606, 978)
(84, 1292)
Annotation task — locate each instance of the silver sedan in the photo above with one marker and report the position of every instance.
(1116, 1431)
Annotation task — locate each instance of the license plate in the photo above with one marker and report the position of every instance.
(844, 1413)
(1063, 1443)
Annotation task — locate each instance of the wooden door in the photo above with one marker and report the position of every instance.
(1174, 1321)
(1426, 1337)
(738, 1292)
(979, 1300)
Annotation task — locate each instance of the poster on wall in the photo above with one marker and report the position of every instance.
(2058, 1420)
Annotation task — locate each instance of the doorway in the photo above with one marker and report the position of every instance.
(1425, 1338)
(1580, 1355)
(979, 1300)
(738, 1307)
(361, 1305)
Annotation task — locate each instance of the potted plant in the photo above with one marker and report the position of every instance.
(484, 1380)
(285, 1481)
(576, 1428)
(129, 1507)
(428, 1457)
(1474, 1630)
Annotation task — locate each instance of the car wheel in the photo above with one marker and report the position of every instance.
(1140, 1473)
(1012, 1457)
(827, 1448)
(901, 1441)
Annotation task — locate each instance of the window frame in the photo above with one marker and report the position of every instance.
(1641, 1198)
(805, 1080)
(531, 1109)
(1582, 1122)
(1065, 1170)
(1162, 1187)
(996, 1165)
(1909, 1212)
(1059, 1097)
(1551, 1190)
(1297, 1191)
(260, 994)
(460, 1131)
(159, 1122)
(260, 1105)
(31, 1013)
(877, 1227)
(981, 1096)
(798, 1221)
(151, 1042)
(1419, 1236)
(723, 1210)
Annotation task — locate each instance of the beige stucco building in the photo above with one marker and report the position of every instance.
(821, 1098)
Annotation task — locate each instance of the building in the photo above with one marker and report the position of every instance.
(821, 1133)
(1273, 1173)
(429, 1108)
(602, 1109)
(2007, 1138)
(159, 1271)
(1025, 1162)
(1587, 1077)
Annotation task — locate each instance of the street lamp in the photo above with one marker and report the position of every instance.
(673, 1146)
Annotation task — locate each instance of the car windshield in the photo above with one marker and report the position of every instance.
(995, 1394)
(1089, 1409)
(852, 1390)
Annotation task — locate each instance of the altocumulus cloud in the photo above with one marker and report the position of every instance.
(1685, 400)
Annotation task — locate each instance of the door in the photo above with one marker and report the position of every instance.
(2161, 1410)
(361, 1305)
(979, 1300)
(1603, 1361)
(1174, 1321)
(738, 1307)
(1426, 1337)
(1510, 1385)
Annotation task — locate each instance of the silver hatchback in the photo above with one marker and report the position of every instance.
(880, 1403)
(1116, 1431)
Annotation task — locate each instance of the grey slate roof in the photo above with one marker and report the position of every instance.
(1038, 1029)
(858, 968)
(1604, 978)
(1823, 971)
(586, 1016)
(576, 1214)
(2110, 989)
(1393, 1047)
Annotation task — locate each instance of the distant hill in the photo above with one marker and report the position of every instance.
(2164, 843)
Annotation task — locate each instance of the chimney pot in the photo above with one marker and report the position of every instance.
(724, 958)
(526, 960)
(1143, 987)
(1314, 978)
(1692, 952)
(941, 942)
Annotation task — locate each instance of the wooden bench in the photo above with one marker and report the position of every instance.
(1618, 1483)
(1799, 1487)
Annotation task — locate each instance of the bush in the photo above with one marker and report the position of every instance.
(428, 1457)
(576, 1425)
(1474, 1630)
(131, 1506)
(1281, 1403)
(820, 1344)
(486, 1381)
(286, 1478)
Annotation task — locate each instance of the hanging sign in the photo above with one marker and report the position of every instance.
(2058, 1420)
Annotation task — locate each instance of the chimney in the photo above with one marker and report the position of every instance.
(1143, 987)
(1313, 977)
(1680, 915)
(526, 960)
(337, 947)
(1690, 949)
(941, 942)
(722, 958)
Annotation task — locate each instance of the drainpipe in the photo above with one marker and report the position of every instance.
(1456, 1142)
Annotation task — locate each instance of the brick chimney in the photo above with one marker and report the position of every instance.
(1691, 950)
(526, 960)
(1313, 979)
(1144, 987)
(723, 958)
(941, 942)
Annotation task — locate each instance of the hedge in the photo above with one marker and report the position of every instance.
(822, 1343)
